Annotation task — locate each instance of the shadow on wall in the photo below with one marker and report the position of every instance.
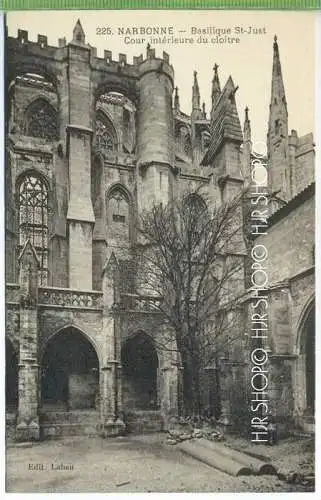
(69, 372)
(140, 371)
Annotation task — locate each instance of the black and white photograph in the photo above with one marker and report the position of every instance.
(160, 251)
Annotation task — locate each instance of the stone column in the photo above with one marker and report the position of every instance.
(299, 377)
(112, 422)
(28, 420)
(118, 374)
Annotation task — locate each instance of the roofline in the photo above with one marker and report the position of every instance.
(295, 202)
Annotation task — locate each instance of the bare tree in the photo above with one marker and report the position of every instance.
(191, 259)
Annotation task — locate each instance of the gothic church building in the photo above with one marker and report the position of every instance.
(91, 143)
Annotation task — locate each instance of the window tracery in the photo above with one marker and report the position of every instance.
(195, 203)
(33, 219)
(105, 139)
(41, 120)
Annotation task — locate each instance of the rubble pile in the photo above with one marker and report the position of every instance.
(185, 428)
(305, 476)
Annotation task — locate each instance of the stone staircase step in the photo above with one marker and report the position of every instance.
(68, 417)
(56, 431)
(56, 424)
(140, 421)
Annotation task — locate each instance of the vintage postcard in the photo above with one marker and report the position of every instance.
(160, 251)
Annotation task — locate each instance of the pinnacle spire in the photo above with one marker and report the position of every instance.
(247, 126)
(78, 33)
(277, 139)
(203, 111)
(196, 94)
(277, 91)
(176, 100)
(278, 120)
(247, 147)
(216, 88)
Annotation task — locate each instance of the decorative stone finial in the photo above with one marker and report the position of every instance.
(275, 44)
(176, 99)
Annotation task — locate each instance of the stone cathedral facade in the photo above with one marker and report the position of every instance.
(91, 142)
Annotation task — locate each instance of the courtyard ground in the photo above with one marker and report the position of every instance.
(136, 464)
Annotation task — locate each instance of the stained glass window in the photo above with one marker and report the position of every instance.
(33, 219)
(41, 120)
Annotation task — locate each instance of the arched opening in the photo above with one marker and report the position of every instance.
(33, 217)
(105, 134)
(69, 372)
(195, 203)
(118, 214)
(195, 219)
(11, 378)
(308, 351)
(41, 120)
(39, 116)
(140, 367)
(115, 129)
(304, 371)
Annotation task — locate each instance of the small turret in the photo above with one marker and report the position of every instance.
(78, 34)
(155, 140)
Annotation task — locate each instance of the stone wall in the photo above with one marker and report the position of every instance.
(290, 243)
(290, 240)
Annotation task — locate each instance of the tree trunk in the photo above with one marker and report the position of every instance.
(191, 385)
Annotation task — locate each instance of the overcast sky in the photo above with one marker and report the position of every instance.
(249, 62)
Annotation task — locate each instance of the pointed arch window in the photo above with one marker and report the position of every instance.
(118, 214)
(105, 137)
(41, 120)
(33, 219)
(195, 203)
(195, 216)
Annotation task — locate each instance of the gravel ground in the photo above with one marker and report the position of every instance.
(293, 454)
(128, 464)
